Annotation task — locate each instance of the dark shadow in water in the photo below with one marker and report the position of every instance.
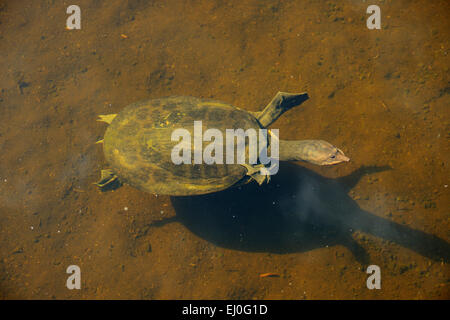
(297, 211)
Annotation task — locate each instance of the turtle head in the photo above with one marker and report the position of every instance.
(323, 153)
(318, 152)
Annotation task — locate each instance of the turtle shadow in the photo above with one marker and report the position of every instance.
(298, 211)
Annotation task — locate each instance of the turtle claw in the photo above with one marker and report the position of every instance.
(259, 173)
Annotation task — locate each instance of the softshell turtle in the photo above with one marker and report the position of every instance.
(138, 144)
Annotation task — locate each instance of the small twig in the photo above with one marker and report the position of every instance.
(269, 274)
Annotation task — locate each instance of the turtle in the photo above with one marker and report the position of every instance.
(138, 145)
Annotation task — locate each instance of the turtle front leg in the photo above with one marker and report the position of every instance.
(259, 173)
(281, 103)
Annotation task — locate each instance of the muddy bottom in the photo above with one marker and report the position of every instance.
(381, 96)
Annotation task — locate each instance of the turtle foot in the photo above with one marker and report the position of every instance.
(108, 118)
(259, 173)
(108, 181)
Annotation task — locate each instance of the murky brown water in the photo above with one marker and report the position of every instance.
(382, 96)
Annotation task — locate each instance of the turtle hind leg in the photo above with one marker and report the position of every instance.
(108, 181)
(108, 118)
(259, 173)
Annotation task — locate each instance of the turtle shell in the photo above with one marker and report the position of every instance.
(138, 145)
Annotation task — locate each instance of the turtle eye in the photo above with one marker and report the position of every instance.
(333, 156)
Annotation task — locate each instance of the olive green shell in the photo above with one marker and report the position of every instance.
(138, 145)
